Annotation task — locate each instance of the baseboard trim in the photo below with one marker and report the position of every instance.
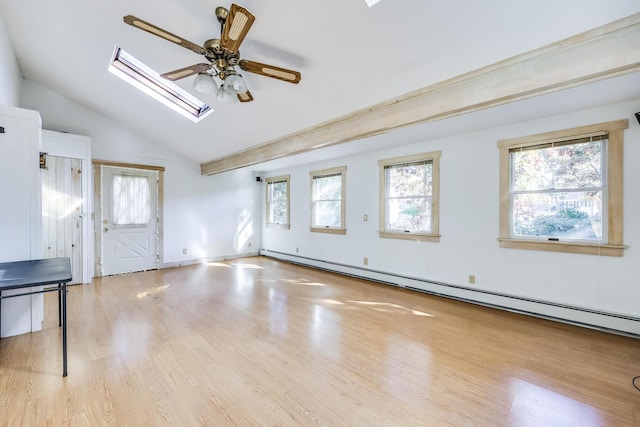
(232, 257)
(195, 261)
(620, 324)
(184, 263)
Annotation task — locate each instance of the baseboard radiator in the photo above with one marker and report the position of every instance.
(581, 316)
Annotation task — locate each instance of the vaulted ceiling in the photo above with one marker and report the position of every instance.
(351, 57)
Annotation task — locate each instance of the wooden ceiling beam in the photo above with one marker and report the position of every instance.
(604, 52)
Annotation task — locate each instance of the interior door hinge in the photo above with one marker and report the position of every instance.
(43, 160)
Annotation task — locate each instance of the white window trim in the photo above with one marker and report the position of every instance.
(613, 245)
(342, 170)
(434, 235)
(286, 178)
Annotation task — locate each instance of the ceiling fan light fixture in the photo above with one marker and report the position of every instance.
(226, 97)
(219, 75)
(235, 84)
(205, 83)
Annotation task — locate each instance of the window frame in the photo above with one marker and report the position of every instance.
(434, 235)
(342, 171)
(271, 181)
(612, 244)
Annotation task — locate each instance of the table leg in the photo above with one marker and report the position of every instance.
(64, 329)
(59, 305)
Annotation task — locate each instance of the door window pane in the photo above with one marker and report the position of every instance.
(130, 200)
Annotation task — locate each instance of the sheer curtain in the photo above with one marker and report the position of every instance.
(130, 201)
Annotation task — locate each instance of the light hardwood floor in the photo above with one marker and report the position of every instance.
(256, 342)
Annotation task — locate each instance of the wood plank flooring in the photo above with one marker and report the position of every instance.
(258, 342)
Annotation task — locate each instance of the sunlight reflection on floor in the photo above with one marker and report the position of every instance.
(218, 264)
(325, 332)
(152, 291)
(537, 406)
(240, 265)
(278, 313)
(247, 266)
(387, 306)
(327, 301)
(303, 282)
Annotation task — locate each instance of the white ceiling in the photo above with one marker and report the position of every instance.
(350, 56)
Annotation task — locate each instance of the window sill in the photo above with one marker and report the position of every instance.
(283, 226)
(328, 230)
(565, 247)
(409, 236)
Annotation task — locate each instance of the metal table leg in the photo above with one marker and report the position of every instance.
(59, 305)
(64, 329)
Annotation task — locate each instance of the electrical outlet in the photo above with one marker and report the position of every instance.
(365, 261)
(366, 217)
(472, 279)
(184, 251)
(297, 250)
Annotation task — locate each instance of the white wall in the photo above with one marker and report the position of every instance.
(469, 223)
(200, 213)
(10, 77)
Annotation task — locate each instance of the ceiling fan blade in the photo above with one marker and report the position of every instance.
(185, 72)
(157, 31)
(270, 71)
(245, 97)
(236, 27)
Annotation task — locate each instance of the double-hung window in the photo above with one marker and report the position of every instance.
(562, 191)
(409, 197)
(328, 200)
(278, 201)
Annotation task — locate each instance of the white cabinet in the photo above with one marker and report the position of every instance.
(20, 211)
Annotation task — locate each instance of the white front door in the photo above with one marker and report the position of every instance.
(129, 220)
(63, 208)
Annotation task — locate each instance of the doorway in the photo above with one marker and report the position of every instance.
(67, 201)
(63, 209)
(128, 217)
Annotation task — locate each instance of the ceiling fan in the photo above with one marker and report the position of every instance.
(223, 56)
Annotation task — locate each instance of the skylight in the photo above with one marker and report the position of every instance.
(134, 72)
(371, 2)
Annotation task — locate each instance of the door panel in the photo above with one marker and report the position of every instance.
(129, 220)
(63, 208)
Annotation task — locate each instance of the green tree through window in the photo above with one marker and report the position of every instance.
(558, 190)
(562, 191)
(328, 200)
(278, 201)
(409, 197)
